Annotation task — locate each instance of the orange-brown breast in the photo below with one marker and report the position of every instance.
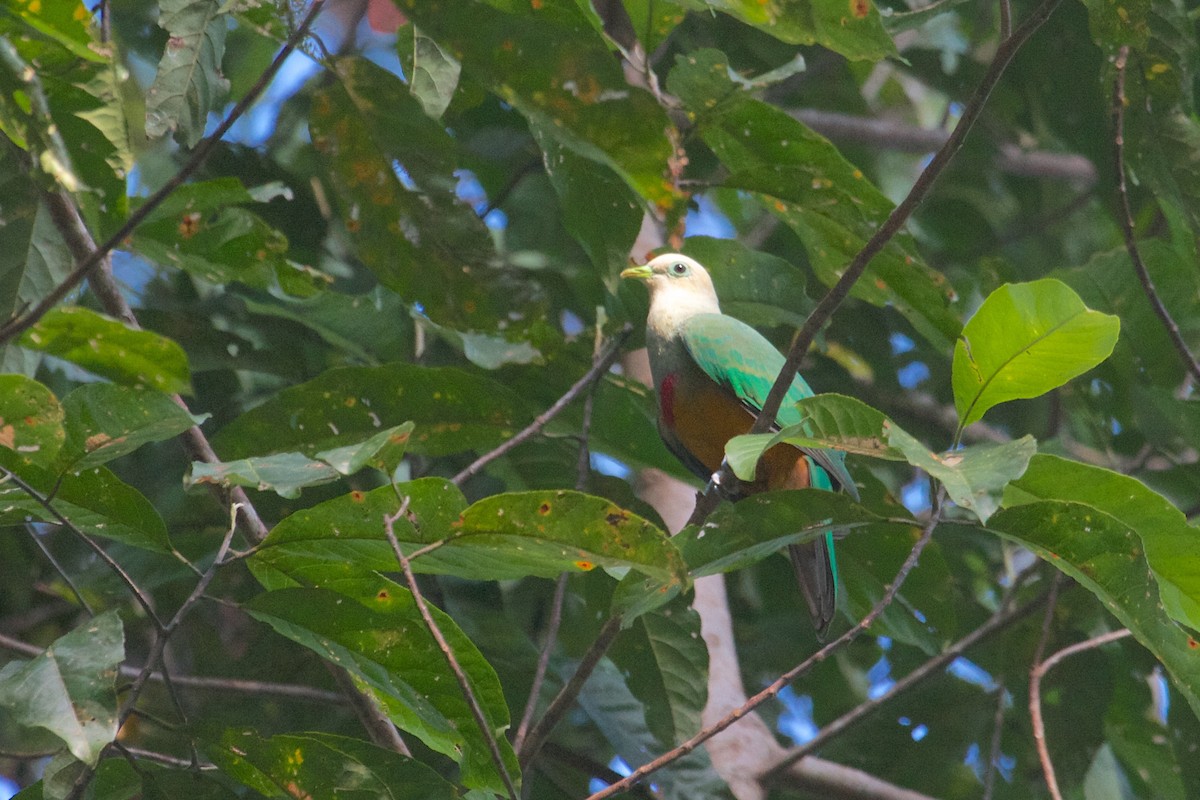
(702, 416)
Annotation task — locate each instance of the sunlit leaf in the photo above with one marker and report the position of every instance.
(1025, 340)
(189, 81)
(852, 29)
(31, 419)
(432, 72)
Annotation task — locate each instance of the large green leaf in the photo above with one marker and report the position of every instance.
(1172, 546)
(1025, 340)
(372, 628)
(323, 766)
(1106, 556)
(69, 690)
(189, 81)
(666, 667)
(803, 179)
(109, 348)
(501, 537)
(95, 500)
(852, 29)
(105, 421)
(972, 475)
(451, 409)
(31, 419)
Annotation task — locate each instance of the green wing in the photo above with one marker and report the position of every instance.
(740, 358)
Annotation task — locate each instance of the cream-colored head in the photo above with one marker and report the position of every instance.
(679, 288)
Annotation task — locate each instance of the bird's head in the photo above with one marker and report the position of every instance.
(678, 283)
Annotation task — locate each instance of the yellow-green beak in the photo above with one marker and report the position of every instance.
(642, 273)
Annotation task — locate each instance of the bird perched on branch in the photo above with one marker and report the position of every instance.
(712, 374)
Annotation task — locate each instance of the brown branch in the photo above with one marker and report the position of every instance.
(85, 266)
(783, 680)
(566, 695)
(1035, 696)
(464, 684)
(997, 623)
(599, 367)
(989, 777)
(1126, 220)
(903, 137)
(1035, 699)
(857, 267)
(539, 673)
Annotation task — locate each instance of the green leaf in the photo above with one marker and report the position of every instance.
(452, 410)
(1105, 555)
(109, 348)
(1172, 546)
(322, 765)
(852, 29)
(288, 473)
(805, 181)
(666, 666)
(1025, 340)
(372, 629)
(31, 419)
(189, 81)
(95, 501)
(552, 64)
(757, 287)
(105, 421)
(1105, 779)
(972, 475)
(501, 537)
(69, 690)
(61, 22)
(432, 72)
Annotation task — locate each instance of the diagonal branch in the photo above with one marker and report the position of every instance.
(783, 680)
(997, 623)
(460, 676)
(1126, 220)
(599, 367)
(858, 266)
(85, 266)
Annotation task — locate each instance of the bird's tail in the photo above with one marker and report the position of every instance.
(816, 575)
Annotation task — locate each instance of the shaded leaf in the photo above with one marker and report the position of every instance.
(1025, 340)
(1105, 555)
(321, 765)
(95, 501)
(372, 629)
(189, 80)
(452, 410)
(109, 348)
(105, 421)
(31, 419)
(69, 690)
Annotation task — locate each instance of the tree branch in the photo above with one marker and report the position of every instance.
(1126, 220)
(1035, 698)
(858, 266)
(464, 684)
(599, 367)
(783, 680)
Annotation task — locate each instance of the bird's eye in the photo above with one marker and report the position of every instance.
(679, 268)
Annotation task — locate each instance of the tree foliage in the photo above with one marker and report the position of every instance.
(317, 478)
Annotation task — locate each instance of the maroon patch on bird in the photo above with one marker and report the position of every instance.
(666, 400)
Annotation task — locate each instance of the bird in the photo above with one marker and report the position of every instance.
(712, 374)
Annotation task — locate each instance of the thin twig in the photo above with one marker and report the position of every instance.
(1035, 696)
(566, 695)
(1035, 699)
(37, 539)
(933, 666)
(242, 685)
(989, 775)
(599, 367)
(857, 267)
(464, 683)
(164, 759)
(197, 158)
(539, 673)
(783, 680)
(1126, 220)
